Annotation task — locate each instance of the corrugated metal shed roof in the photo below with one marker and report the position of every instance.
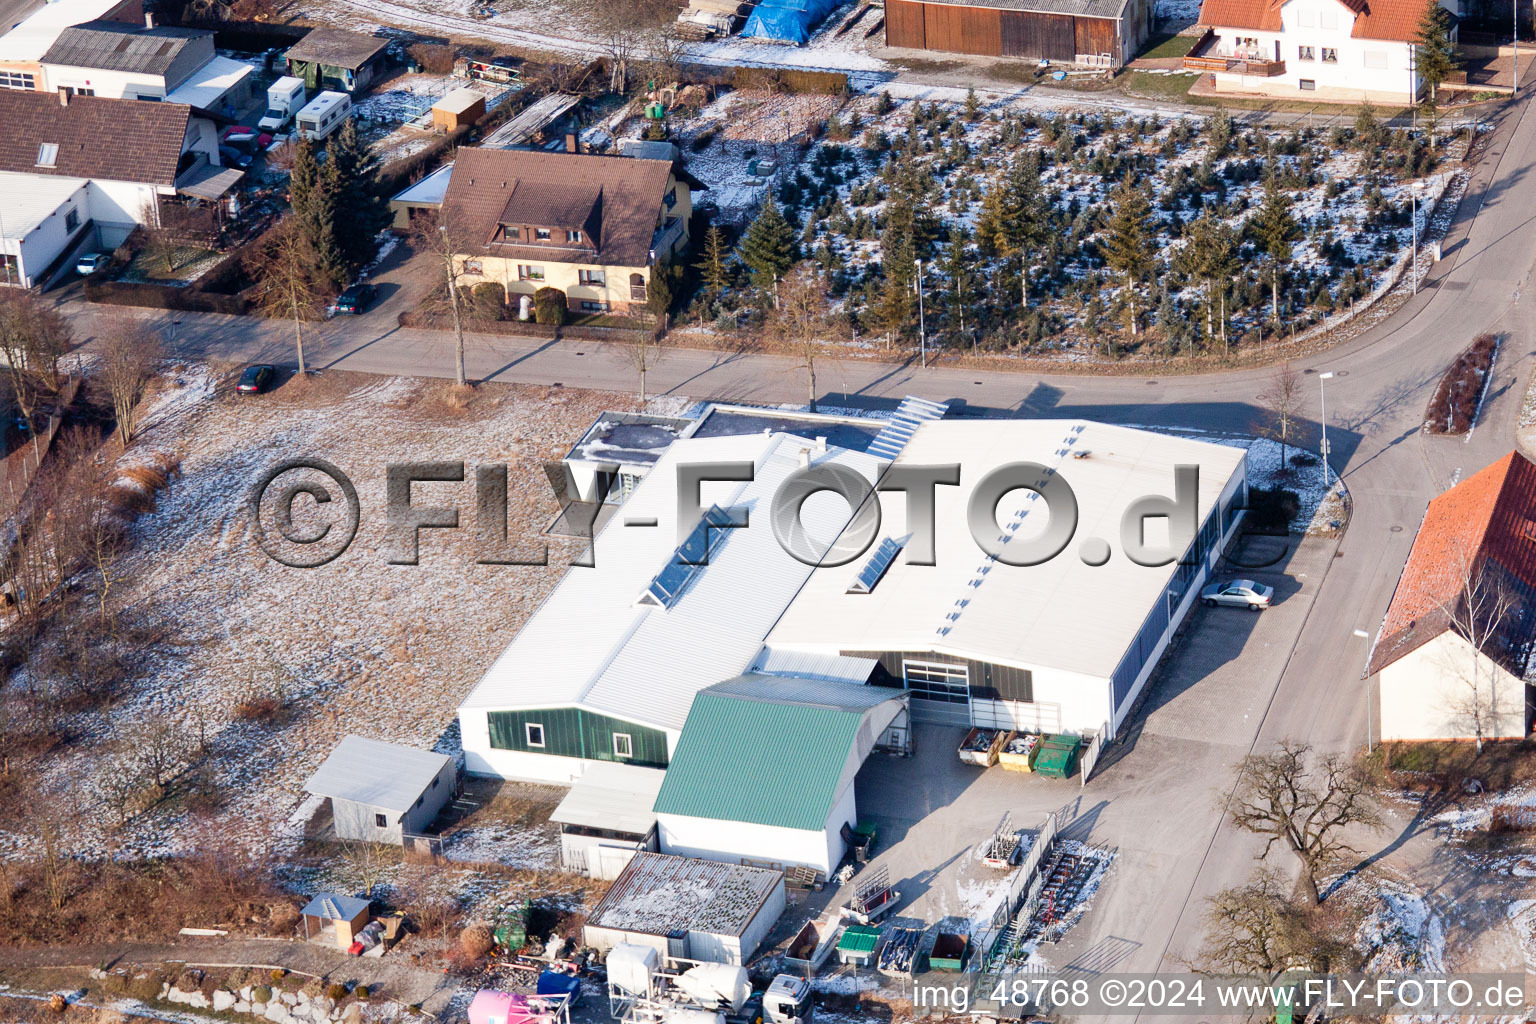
(612, 796)
(812, 665)
(746, 757)
(211, 81)
(336, 48)
(117, 46)
(331, 907)
(815, 693)
(1061, 614)
(658, 894)
(375, 773)
(591, 645)
(1077, 8)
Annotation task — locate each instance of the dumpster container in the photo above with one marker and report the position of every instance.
(1057, 756)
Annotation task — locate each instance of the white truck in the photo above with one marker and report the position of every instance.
(322, 115)
(285, 97)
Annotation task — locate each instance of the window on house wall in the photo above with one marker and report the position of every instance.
(594, 278)
(1306, 84)
(1306, 53)
(17, 80)
(623, 745)
(528, 272)
(71, 220)
(1330, 55)
(1328, 19)
(48, 154)
(533, 733)
(379, 821)
(573, 236)
(1306, 19)
(590, 306)
(474, 267)
(541, 234)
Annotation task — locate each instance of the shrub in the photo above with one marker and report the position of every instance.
(549, 306)
(336, 991)
(57, 1003)
(261, 994)
(278, 974)
(362, 991)
(257, 707)
(434, 58)
(476, 940)
(1271, 510)
(1456, 398)
(487, 301)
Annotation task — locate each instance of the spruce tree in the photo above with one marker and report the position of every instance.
(314, 210)
(1128, 245)
(961, 291)
(712, 267)
(768, 248)
(1434, 53)
(1275, 229)
(1013, 216)
(1210, 254)
(352, 174)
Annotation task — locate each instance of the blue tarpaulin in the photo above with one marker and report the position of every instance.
(788, 21)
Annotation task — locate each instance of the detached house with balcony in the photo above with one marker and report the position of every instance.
(1332, 50)
(594, 227)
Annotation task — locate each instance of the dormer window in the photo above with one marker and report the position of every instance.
(48, 154)
(574, 237)
(541, 234)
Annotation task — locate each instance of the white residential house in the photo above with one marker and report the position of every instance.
(80, 172)
(1339, 50)
(115, 60)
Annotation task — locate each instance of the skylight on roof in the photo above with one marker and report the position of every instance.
(691, 556)
(879, 562)
(48, 154)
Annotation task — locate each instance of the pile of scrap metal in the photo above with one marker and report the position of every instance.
(898, 956)
(707, 19)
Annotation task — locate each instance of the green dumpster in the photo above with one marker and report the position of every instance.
(511, 932)
(1057, 756)
(857, 946)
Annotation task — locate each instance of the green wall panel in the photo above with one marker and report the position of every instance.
(573, 732)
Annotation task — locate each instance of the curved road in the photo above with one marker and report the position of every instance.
(1376, 401)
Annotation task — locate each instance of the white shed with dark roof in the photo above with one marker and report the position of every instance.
(382, 792)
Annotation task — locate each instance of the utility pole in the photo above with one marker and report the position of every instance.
(1322, 394)
(1514, 9)
(922, 328)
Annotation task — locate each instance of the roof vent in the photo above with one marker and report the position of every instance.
(1082, 453)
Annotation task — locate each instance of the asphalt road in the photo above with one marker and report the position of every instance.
(1375, 401)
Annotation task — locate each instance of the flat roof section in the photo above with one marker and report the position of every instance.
(612, 796)
(848, 432)
(658, 894)
(629, 438)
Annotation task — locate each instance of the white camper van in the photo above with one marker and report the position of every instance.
(323, 115)
(284, 98)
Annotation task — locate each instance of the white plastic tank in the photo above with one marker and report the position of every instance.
(630, 968)
(719, 985)
(524, 307)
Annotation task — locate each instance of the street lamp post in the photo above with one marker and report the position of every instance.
(922, 328)
(1322, 394)
(1415, 243)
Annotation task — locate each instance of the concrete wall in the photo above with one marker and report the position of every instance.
(1427, 694)
(735, 841)
(597, 857)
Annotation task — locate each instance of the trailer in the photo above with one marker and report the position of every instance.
(949, 952)
(980, 746)
(1057, 756)
(1003, 849)
(898, 957)
(857, 945)
(812, 946)
(1018, 752)
(873, 899)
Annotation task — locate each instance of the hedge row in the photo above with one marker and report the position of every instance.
(830, 83)
(1456, 398)
(159, 296)
(526, 328)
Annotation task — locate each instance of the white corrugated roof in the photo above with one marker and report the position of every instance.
(30, 199)
(1063, 614)
(376, 773)
(33, 35)
(211, 81)
(612, 796)
(590, 645)
(814, 665)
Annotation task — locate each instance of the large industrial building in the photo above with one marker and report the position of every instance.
(758, 663)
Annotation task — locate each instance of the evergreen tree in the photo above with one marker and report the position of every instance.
(712, 268)
(1434, 53)
(896, 313)
(351, 174)
(1275, 229)
(314, 211)
(1368, 131)
(768, 248)
(972, 104)
(1210, 254)
(1013, 215)
(956, 262)
(1220, 128)
(1128, 245)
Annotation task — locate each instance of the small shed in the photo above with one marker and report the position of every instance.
(422, 198)
(686, 908)
(333, 58)
(381, 792)
(333, 919)
(606, 818)
(458, 109)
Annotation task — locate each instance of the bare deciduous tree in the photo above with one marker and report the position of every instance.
(1479, 610)
(287, 271)
(801, 319)
(33, 339)
(369, 862)
(447, 242)
(643, 355)
(1261, 928)
(130, 352)
(1282, 401)
(1304, 802)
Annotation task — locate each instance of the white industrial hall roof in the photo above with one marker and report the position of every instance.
(1062, 614)
(593, 645)
(30, 38)
(376, 773)
(612, 796)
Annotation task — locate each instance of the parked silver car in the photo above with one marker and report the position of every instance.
(1239, 594)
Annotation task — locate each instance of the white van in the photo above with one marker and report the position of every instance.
(284, 99)
(323, 115)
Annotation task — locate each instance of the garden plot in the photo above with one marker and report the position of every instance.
(389, 116)
(927, 169)
(268, 667)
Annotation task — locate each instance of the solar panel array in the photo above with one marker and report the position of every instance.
(690, 556)
(876, 567)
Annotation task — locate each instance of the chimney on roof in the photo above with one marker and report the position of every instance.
(821, 444)
(805, 458)
(63, 97)
(149, 19)
(571, 144)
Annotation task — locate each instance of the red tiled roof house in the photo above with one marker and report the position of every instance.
(1454, 654)
(1339, 50)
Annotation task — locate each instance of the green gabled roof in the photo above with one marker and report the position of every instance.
(741, 759)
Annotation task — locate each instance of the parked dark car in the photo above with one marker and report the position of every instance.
(256, 378)
(355, 300)
(232, 157)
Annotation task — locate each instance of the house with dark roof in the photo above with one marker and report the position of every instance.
(145, 61)
(79, 172)
(1094, 33)
(338, 60)
(1454, 653)
(1344, 51)
(593, 227)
